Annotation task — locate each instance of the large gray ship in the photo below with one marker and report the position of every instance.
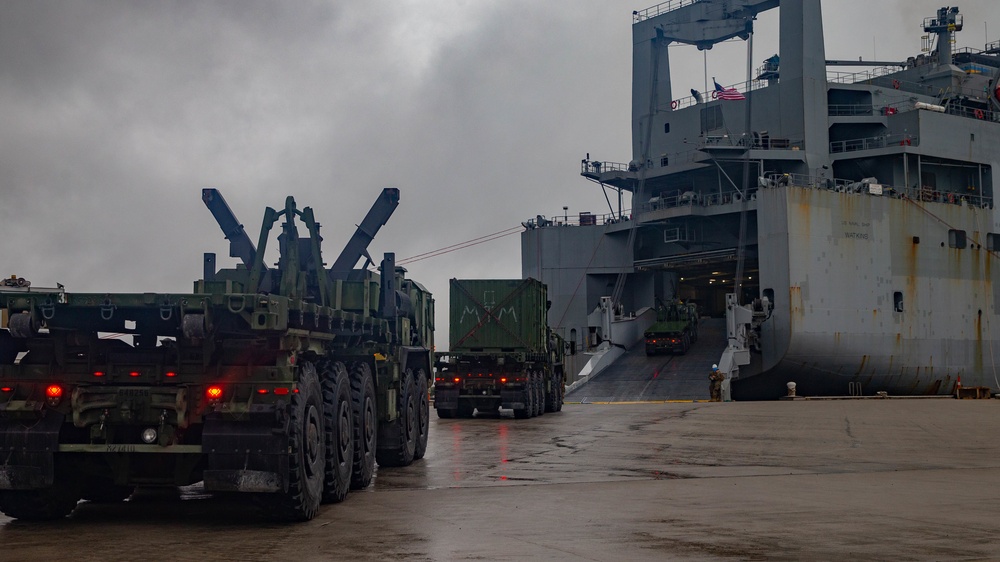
(854, 206)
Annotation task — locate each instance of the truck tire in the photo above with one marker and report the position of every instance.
(307, 455)
(535, 398)
(338, 432)
(530, 392)
(561, 391)
(446, 413)
(365, 424)
(423, 415)
(529, 406)
(36, 505)
(539, 394)
(552, 396)
(533, 391)
(44, 504)
(397, 439)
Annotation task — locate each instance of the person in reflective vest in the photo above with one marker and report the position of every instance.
(715, 384)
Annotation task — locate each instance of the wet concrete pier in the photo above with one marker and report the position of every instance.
(860, 480)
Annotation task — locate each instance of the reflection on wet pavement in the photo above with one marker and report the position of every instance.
(604, 482)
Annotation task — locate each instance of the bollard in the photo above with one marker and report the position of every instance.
(791, 389)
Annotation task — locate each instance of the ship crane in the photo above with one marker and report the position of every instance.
(719, 20)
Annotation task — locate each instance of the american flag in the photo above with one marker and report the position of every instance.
(727, 93)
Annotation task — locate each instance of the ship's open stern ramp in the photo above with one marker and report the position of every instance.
(634, 377)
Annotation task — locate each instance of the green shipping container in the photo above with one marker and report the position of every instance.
(497, 315)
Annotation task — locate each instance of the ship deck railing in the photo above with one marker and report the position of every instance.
(926, 194)
(593, 168)
(972, 113)
(696, 154)
(759, 140)
(580, 219)
(867, 76)
(693, 199)
(706, 97)
(879, 76)
(873, 143)
(660, 9)
(904, 104)
(882, 77)
(850, 110)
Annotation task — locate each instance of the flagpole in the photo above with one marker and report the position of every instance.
(704, 58)
(748, 145)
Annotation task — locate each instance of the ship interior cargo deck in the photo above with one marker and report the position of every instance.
(636, 377)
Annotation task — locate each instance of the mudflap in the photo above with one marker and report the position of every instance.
(513, 399)
(28, 450)
(446, 398)
(248, 455)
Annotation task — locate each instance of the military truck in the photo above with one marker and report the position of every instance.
(675, 330)
(502, 352)
(287, 382)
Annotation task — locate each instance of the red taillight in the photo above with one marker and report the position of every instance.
(457, 380)
(98, 373)
(213, 392)
(54, 391)
(6, 389)
(171, 374)
(134, 374)
(262, 391)
(503, 380)
(281, 391)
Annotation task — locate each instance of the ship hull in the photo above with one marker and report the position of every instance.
(872, 293)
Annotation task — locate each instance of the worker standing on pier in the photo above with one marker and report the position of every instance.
(715, 384)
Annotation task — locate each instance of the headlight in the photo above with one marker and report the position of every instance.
(149, 435)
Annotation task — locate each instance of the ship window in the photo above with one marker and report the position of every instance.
(956, 239)
(916, 239)
(897, 301)
(993, 242)
(663, 161)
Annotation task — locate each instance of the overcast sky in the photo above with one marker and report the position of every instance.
(116, 114)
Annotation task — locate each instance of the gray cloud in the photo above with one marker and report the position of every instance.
(116, 114)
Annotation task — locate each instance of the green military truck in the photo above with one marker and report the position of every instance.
(675, 330)
(287, 383)
(502, 352)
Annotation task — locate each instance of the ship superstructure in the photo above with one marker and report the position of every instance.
(860, 204)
